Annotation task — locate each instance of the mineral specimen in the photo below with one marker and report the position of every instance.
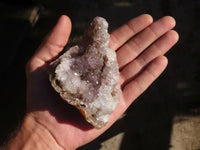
(86, 75)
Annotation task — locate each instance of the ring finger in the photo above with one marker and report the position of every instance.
(134, 47)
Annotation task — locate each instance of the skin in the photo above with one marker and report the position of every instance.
(139, 44)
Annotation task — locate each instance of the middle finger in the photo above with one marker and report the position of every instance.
(140, 42)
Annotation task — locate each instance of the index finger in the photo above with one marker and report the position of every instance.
(119, 36)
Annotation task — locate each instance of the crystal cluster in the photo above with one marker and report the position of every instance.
(86, 75)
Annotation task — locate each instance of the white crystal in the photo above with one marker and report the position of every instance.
(86, 75)
(76, 74)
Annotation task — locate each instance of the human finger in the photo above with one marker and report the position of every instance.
(159, 48)
(139, 84)
(119, 36)
(144, 39)
(53, 43)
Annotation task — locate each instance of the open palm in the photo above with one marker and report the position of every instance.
(140, 45)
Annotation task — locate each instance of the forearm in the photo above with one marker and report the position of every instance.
(32, 135)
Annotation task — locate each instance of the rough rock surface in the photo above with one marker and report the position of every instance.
(86, 75)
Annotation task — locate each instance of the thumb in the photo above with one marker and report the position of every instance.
(53, 43)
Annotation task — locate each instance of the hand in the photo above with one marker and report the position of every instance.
(140, 45)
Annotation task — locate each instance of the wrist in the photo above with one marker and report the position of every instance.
(33, 135)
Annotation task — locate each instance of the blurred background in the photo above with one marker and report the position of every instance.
(165, 117)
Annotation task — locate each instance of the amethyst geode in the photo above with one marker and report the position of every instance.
(86, 75)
